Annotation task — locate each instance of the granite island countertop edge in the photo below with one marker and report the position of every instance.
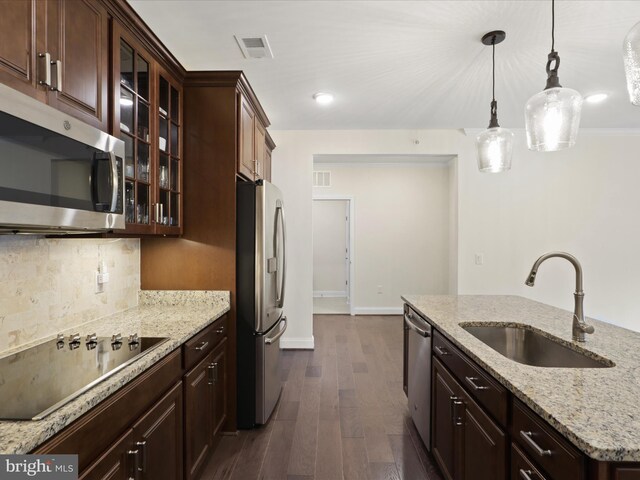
(592, 447)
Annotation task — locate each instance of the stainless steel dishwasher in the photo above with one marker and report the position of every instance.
(419, 373)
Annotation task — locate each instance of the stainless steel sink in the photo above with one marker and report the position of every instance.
(523, 345)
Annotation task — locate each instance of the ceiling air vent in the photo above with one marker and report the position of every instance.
(322, 179)
(254, 46)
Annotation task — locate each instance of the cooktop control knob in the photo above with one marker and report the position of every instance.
(116, 341)
(92, 341)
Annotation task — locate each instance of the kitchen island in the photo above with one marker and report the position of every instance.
(178, 315)
(596, 409)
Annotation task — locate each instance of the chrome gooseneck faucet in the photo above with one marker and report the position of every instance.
(579, 325)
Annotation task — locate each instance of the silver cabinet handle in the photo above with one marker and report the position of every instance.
(202, 346)
(525, 474)
(472, 381)
(134, 465)
(220, 331)
(143, 447)
(270, 340)
(58, 66)
(441, 351)
(455, 403)
(44, 69)
(528, 438)
(211, 369)
(415, 328)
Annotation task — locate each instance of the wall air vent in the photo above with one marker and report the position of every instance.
(254, 46)
(322, 179)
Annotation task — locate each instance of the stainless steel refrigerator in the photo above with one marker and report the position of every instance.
(261, 276)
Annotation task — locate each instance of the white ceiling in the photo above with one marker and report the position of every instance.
(405, 64)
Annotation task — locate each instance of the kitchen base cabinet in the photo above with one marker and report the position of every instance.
(205, 394)
(219, 367)
(467, 444)
(198, 402)
(118, 463)
(158, 439)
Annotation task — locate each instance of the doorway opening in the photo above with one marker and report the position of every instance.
(333, 255)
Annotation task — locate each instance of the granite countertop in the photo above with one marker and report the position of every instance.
(177, 315)
(597, 409)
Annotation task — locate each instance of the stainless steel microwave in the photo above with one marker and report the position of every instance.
(57, 174)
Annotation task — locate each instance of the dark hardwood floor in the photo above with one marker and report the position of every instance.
(342, 413)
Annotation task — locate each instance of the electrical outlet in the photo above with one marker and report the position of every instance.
(479, 257)
(379, 289)
(99, 284)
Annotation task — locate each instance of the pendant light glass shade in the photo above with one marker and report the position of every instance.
(631, 49)
(495, 144)
(495, 148)
(552, 119)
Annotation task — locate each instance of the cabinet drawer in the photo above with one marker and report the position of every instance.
(202, 343)
(539, 441)
(522, 468)
(486, 391)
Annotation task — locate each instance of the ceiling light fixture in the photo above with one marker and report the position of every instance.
(631, 51)
(494, 145)
(552, 117)
(596, 98)
(323, 98)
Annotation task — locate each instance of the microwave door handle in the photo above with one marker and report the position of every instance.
(284, 257)
(115, 181)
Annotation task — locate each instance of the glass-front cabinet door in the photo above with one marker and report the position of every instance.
(133, 76)
(169, 206)
(148, 119)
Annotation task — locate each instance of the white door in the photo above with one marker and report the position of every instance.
(331, 248)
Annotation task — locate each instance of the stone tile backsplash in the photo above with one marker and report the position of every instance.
(48, 285)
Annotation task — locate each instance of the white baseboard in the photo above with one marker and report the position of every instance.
(329, 293)
(377, 311)
(306, 343)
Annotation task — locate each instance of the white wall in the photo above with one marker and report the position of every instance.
(585, 200)
(401, 230)
(292, 171)
(330, 247)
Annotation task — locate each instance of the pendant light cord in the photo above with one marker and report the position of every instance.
(493, 45)
(553, 25)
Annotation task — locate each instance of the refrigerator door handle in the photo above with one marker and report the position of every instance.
(280, 293)
(281, 330)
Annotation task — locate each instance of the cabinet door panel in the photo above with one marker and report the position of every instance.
(267, 165)
(78, 36)
(220, 386)
(484, 445)
(159, 438)
(443, 428)
(115, 464)
(247, 140)
(19, 46)
(259, 146)
(198, 416)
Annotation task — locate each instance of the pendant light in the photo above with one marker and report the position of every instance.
(494, 145)
(631, 49)
(552, 117)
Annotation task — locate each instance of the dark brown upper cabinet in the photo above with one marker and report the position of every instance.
(58, 52)
(147, 116)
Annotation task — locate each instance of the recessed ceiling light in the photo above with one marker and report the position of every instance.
(596, 98)
(323, 98)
